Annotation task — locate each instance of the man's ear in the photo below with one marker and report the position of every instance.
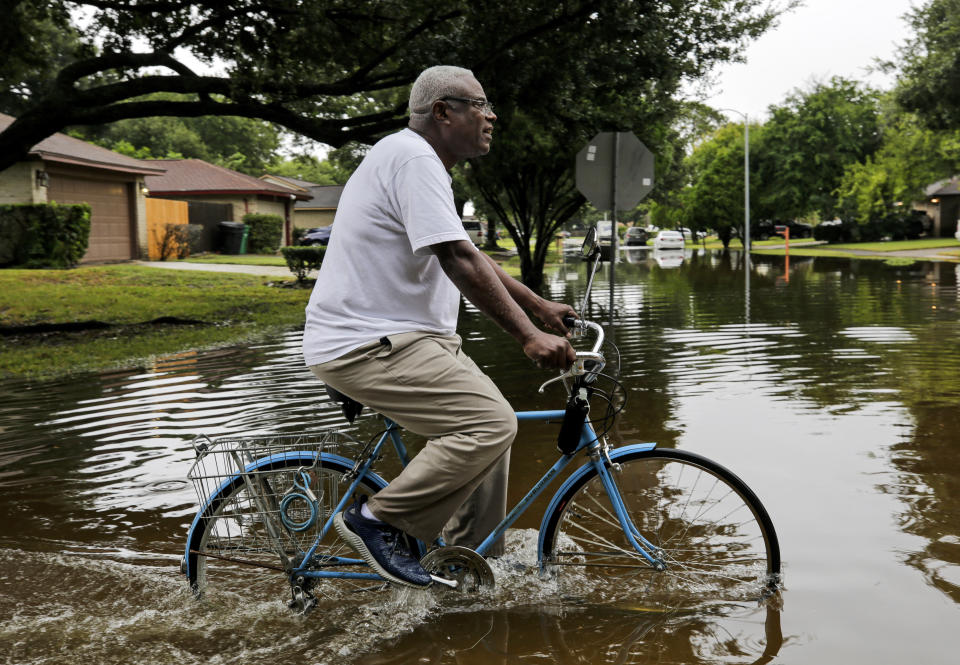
(439, 112)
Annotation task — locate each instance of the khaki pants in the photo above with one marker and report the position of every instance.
(426, 384)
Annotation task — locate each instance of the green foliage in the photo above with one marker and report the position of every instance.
(621, 69)
(265, 234)
(43, 235)
(240, 144)
(36, 41)
(929, 65)
(911, 157)
(808, 142)
(714, 198)
(303, 260)
(310, 169)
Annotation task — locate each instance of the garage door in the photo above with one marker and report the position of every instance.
(111, 229)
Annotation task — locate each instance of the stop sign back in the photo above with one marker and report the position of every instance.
(614, 161)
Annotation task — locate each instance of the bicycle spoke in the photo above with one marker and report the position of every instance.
(706, 534)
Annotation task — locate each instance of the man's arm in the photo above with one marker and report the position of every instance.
(472, 273)
(549, 312)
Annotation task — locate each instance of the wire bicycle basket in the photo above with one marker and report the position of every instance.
(267, 494)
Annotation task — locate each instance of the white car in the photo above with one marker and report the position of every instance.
(668, 240)
(475, 230)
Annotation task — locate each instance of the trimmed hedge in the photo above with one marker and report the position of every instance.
(301, 260)
(266, 233)
(43, 235)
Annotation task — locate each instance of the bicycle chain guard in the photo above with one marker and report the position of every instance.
(461, 564)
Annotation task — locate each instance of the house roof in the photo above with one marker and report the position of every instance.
(286, 181)
(63, 149)
(947, 187)
(195, 176)
(325, 197)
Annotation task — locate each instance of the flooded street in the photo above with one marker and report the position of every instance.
(831, 388)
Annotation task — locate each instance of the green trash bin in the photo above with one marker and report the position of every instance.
(233, 236)
(243, 241)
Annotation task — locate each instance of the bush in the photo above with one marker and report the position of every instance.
(43, 235)
(303, 260)
(265, 233)
(298, 233)
(179, 239)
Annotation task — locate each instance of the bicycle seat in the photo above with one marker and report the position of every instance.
(350, 407)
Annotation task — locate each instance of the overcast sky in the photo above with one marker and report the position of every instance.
(823, 38)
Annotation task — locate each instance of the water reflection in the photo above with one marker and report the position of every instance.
(833, 394)
(596, 635)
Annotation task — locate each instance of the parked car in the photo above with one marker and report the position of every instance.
(635, 235)
(605, 231)
(761, 229)
(668, 240)
(475, 230)
(693, 235)
(797, 230)
(317, 236)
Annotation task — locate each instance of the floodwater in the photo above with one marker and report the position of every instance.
(832, 388)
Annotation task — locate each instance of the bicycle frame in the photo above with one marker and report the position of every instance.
(589, 442)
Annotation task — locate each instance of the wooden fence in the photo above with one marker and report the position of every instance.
(161, 212)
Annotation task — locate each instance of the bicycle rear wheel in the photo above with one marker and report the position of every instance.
(230, 547)
(714, 536)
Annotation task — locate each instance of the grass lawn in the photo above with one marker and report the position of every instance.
(898, 245)
(948, 247)
(212, 309)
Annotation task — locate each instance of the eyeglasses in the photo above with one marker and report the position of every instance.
(485, 107)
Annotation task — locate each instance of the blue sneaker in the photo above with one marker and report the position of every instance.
(382, 546)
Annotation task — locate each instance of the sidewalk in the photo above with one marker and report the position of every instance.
(266, 271)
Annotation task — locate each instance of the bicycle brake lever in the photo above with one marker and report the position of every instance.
(553, 380)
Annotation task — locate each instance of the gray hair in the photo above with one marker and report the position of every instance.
(435, 83)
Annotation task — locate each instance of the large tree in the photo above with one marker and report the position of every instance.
(912, 156)
(808, 142)
(621, 69)
(929, 65)
(327, 69)
(713, 198)
(244, 144)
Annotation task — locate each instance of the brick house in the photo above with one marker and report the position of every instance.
(63, 169)
(319, 210)
(942, 203)
(194, 180)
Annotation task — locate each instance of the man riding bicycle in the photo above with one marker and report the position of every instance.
(381, 329)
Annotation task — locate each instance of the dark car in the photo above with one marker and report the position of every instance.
(797, 230)
(635, 235)
(317, 236)
(761, 229)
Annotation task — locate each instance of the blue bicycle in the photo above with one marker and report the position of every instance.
(662, 527)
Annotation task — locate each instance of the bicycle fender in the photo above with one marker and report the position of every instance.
(576, 477)
(259, 464)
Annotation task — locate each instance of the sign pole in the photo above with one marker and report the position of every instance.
(614, 236)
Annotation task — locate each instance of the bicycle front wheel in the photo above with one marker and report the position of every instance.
(711, 533)
(237, 545)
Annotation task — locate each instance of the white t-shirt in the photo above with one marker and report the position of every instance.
(379, 276)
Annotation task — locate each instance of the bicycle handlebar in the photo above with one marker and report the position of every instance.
(593, 356)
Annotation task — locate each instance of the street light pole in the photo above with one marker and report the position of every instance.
(746, 185)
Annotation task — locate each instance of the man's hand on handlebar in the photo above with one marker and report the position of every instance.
(549, 351)
(552, 315)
